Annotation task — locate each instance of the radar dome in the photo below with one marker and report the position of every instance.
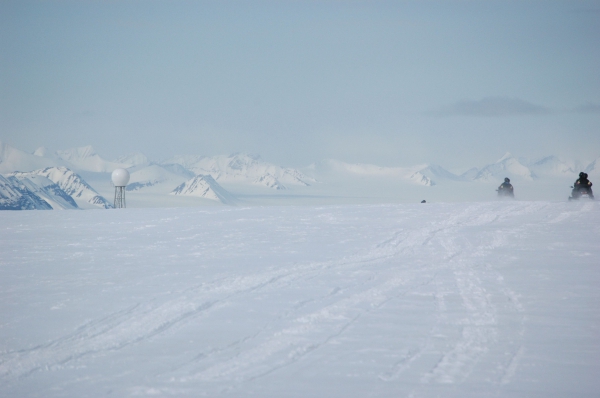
(120, 177)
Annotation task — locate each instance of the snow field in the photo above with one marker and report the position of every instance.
(454, 300)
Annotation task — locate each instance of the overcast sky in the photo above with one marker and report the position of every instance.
(394, 83)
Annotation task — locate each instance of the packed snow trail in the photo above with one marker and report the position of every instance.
(475, 299)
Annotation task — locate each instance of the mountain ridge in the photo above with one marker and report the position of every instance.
(60, 187)
(251, 177)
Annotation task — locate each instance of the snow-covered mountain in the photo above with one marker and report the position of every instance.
(242, 168)
(507, 166)
(470, 174)
(244, 175)
(14, 195)
(42, 152)
(593, 169)
(133, 159)
(204, 186)
(552, 166)
(178, 170)
(409, 174)
(42, 188)
(13, 159)
(74, 186)
(437, 173)
(269, 181)
(154, 175)
(86, 158)
(61, 188)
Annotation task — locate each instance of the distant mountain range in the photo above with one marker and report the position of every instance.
(411, 174)
(431, 174)
(242, 168)
(44, 180)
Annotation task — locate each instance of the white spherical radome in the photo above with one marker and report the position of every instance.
(120, 177)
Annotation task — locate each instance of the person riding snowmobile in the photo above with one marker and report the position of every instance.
(506, 189)
(582, 185)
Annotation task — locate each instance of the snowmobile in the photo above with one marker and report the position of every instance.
(506, 190)
(581, 193)
(505, 193)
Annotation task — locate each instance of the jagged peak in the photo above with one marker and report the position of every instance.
(506, 156)
(133, 159)
(251, 156)
(77, 153)
(204, 186)
(546, 159)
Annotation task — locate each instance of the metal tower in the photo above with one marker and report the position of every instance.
(120, 178)
(119, 198)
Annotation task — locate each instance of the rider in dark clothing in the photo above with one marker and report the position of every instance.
(506, 189)
(582, 184)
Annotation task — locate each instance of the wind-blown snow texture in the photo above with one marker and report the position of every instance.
(436, 300)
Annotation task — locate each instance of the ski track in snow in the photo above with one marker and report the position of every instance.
(479, 327)
(297, 332)
(332, 320)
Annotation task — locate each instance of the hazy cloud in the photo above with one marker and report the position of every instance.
(300, 81)
(587, 108)
(494, 107)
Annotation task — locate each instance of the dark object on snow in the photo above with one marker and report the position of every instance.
(582, 188)
(423, 201)
(506, 189)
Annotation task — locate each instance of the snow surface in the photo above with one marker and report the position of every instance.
(489, 299)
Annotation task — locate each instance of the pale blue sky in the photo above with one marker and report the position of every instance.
(394, 83)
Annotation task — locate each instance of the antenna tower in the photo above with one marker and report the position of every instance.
(120, 178)
(119, 198)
